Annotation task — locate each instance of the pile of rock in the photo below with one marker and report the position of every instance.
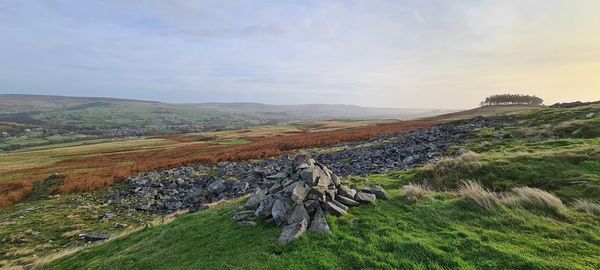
(299, 195)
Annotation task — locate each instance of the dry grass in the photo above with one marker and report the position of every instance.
(14, 191)
(586, 206)
(99, 171)
(525, 197)
(475, 193)
(538, 199)
(447, 170)
(416, 192)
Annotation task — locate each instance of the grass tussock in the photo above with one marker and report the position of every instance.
(442, 173)
(525, 197)
(586, 206)
(538, 199)
(477, 194)
(416, 192)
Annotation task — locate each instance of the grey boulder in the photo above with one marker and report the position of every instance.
(364, 197)
(292, 232)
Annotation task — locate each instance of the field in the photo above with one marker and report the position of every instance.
(444, 229)
(552, 149)
(91, 167)
(395, 234)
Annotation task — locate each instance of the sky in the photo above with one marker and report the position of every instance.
(425, 54)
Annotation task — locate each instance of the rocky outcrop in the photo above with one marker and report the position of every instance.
(298, 196)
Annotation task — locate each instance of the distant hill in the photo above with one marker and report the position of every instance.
(16, 103)
(326, 111)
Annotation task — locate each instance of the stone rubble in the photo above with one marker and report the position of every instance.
(298, 196)
(193, 188)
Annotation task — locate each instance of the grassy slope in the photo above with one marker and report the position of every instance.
(443, 232)
(439, 233)
(566, 160)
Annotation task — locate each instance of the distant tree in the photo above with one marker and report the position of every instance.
(511, 99)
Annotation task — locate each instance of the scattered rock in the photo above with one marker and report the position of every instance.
(319, 223)
(334, 209)
(265, 207)
(95, 236)
(380, 193)
(292, 232)
(217, 187)
(279, 211)
(347, 192)
(246, 223)
(298, 214)
(252, 203)
(243, 215)
(346, 201)
(364, 197)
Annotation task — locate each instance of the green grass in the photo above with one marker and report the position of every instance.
(541, 150)
(58, 222)
(568, 167)
(443, 232)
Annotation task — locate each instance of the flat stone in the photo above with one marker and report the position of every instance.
(380, 193)
(340, 205)
(334, 209)
(321, 190)
(301, 158)
(279, 175)
(292, 232)
(297, 214)
(246, 223)
(252, 203)
(319, 223)
(324, 179)
(311, 206)
(299, 193)
(364, 197)
(243, 215)
(95, 236)
(309, 175)
(275, 188)
(264, 209)
(331, 193)
(279, 211)
(335, 179)
(347, 201)
(290, 188)
(346, 191)
(217, 187)
(302, 166)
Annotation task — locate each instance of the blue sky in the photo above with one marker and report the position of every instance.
(447, 54)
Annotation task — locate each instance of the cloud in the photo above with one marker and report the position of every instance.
(376, 53)
(418, 17)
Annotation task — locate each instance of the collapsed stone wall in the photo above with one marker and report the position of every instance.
(298, 196)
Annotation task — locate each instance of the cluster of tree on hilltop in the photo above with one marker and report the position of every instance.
(511, 99)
